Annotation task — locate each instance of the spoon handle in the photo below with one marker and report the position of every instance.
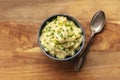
(81, 59)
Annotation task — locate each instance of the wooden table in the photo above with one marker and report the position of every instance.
(21, 58)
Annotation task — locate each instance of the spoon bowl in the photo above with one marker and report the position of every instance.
(97, 22)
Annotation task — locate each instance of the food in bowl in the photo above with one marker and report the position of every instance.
(61, 37)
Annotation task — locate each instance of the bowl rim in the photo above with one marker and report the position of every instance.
(78, 25)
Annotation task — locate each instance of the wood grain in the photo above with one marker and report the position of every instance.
(21, 58)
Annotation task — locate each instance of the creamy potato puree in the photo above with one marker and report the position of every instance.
(61, 37)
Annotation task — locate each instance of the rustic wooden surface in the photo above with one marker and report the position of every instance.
(21, 58)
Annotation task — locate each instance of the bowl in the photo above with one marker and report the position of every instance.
(50, 19)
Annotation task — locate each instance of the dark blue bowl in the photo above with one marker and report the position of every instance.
(50, 19)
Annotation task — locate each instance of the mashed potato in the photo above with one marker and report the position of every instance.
(61, 37)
